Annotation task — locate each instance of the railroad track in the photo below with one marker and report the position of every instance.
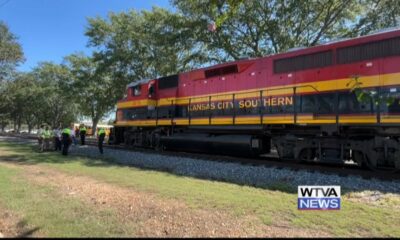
(270, 160)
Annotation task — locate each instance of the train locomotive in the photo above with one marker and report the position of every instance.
(329, 103)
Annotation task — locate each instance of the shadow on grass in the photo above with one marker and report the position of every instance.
(35, 157)
(27, 233)
(24, 231)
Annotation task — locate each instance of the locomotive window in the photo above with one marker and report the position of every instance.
(221, 71)
(181, 111)
(168, 82)
(317, 104)
(307, 104)
(368, 51)
(135, 113)
(390, 100)
(163, 112)
(325, 103)
(136, 90)
(303, 62)
(151, 90)
(348, 103)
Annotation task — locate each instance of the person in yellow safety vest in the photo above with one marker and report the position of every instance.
(66, 140)
(46, 134)
(101, 134)
(40, 137)
(82, 132)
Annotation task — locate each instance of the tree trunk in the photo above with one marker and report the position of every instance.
(19, 125)
(3, 125)
(95, 121)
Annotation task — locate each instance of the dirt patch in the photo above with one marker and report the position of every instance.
(375, 198)
(154, 216)
(12, 225)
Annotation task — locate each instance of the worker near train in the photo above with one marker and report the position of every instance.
(46, 136)
(57, 139)
(66, 140)
(101, 134)
(76, 131)
(40, 137)
(82, 132)
(73, 136)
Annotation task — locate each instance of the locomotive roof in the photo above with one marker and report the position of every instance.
(135, 83)
(292, 52)
(373, 36)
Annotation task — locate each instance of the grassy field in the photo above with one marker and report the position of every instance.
(55, 215)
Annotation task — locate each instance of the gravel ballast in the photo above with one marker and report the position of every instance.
(259, 176)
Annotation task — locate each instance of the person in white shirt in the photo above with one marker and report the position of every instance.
(57, 139)
(73, 135)
(40, 136)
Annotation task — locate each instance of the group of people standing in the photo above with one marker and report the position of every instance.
(63, 138)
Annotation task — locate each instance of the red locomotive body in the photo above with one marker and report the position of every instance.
(330, 103)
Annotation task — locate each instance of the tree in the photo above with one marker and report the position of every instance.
(141, 45)
(10, 55)
(18, 94)
(377, 14)
(259, 28)
(38, 97)
(57, 105)
(4, 106)
(10, 52)
(93, 89)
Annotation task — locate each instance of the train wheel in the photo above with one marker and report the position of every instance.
(379, 154)
(359, 158)
(378, 163)
(158, 146)
(306, 155)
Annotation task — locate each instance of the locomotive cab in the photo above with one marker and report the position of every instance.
(152, 95)
(143, 93)
(152, 89)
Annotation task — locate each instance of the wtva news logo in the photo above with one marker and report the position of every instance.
(318, 198)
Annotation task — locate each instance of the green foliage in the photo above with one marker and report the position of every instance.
(259, 28)
(10, 52)
(375, 15)
(367, 95)
(57, 105)
(93, 89)
(141, 45)
(38, 97)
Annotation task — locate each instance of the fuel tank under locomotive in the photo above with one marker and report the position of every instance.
(234, 145)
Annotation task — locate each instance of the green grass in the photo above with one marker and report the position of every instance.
(47, 213)
(273, 205)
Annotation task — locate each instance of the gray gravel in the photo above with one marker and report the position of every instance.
(259, 176)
